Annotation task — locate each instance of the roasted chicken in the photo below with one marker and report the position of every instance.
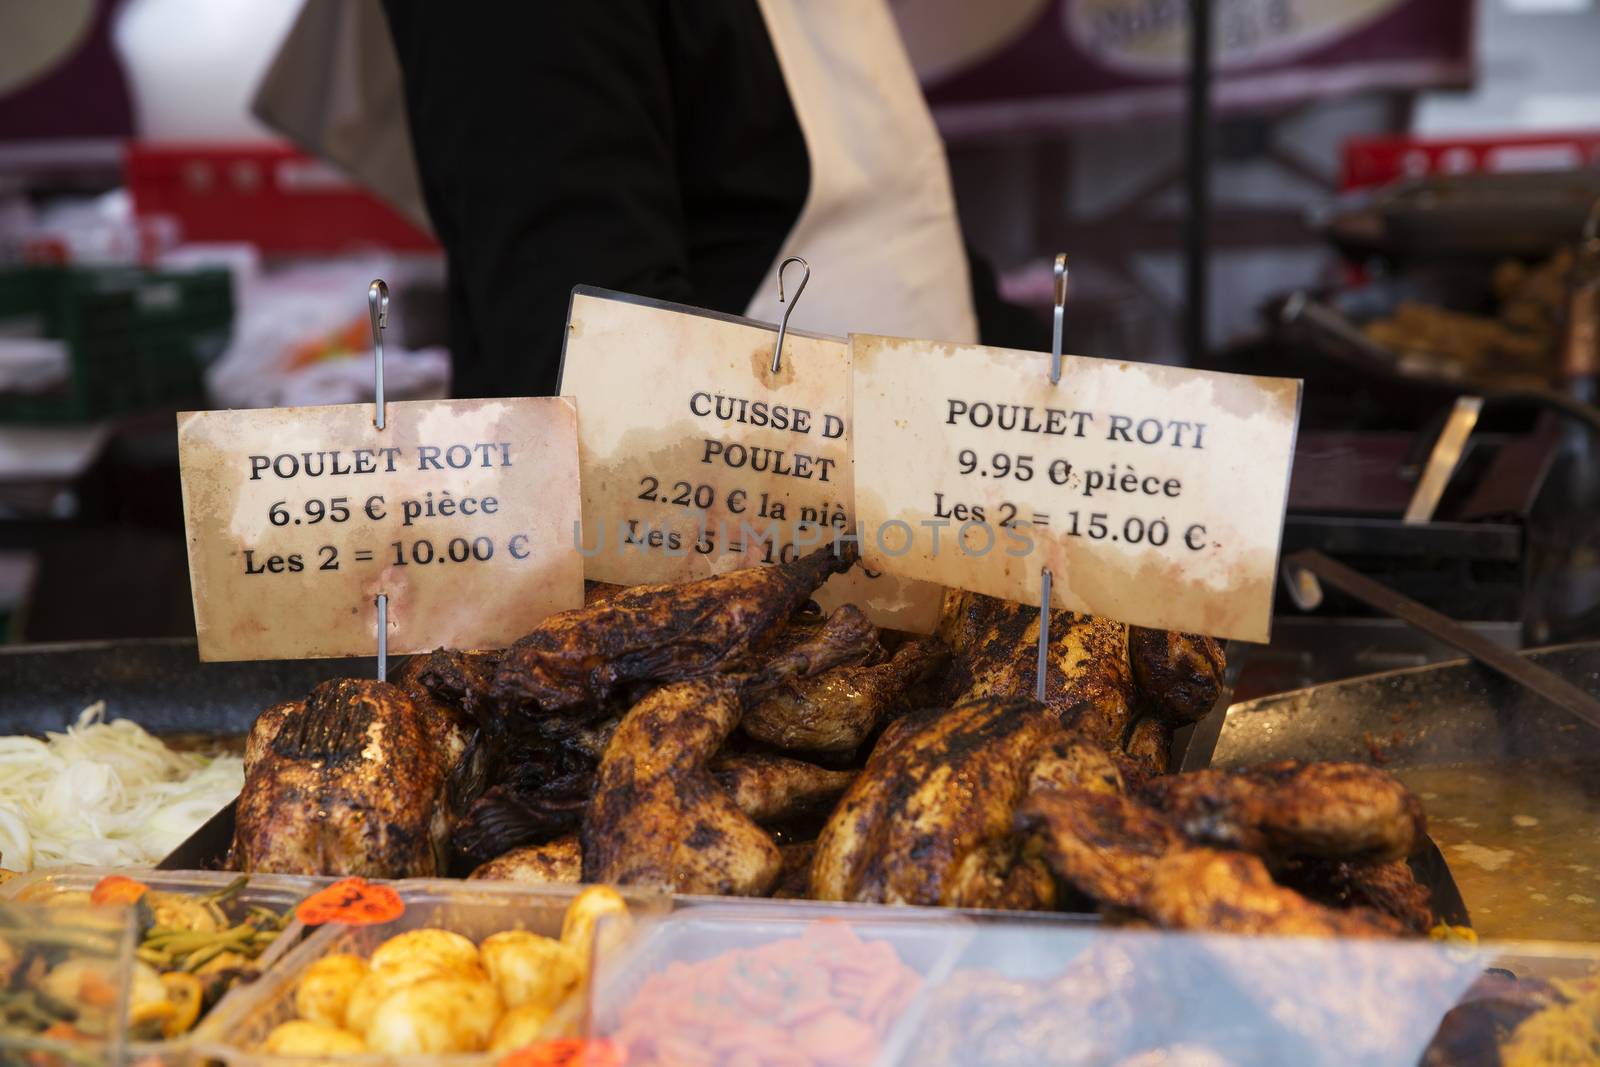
(1335, 811)
(556, 862)
(1179, 675)
(658, 815)
(770, 789)
(1130, 857)
(350, 781)
(929, 819)
(837, 710)
(658, 633)
(1088, 684)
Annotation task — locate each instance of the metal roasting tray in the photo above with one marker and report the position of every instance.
(1453, 712)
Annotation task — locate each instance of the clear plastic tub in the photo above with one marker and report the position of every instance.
(796, 977)
(1040, 994)
(65, 975)
(55, 887)
(473, 909)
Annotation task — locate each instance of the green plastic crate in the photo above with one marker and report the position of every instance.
(137, 338)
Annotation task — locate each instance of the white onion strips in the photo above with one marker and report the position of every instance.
(105, 794)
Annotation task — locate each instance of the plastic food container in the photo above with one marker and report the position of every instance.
(776, 978)
(88, 955)
(56, 886)
(473, 909)
(1041, 993)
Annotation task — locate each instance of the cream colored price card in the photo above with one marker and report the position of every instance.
(698, 460)
(461, 511)
(1154, 494)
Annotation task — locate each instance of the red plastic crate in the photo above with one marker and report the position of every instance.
(1373, 161)
(271, 195)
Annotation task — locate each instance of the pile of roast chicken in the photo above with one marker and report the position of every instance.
(722, 737)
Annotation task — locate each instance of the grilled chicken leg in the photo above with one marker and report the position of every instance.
(837, 711)
(658, 814)
(929, 819)
(1334, 811)
(658, 632)
(1129, 856)
(772, 789)
(351, 781)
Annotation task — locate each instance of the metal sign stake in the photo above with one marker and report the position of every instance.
(1044, 634)
(1060, 272)
(378, 309)
(783, 323)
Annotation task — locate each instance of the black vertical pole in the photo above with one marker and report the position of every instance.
(1197, 181)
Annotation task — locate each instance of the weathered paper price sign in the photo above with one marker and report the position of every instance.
(697, 459)
(460, 511)
(1155, 495)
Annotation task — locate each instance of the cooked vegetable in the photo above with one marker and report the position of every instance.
(431, 991)
(529, 969)
(585, 913)
(105, 794)
(520, 1026)
(324, 992)
(301, 1038)
(449, 950)
(437, 1015)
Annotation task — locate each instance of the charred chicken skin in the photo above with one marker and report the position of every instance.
(1088, 682)
(1335, 811)
(350, 781)
(1179, 675)
(929, 819)
(659, 815)
(1130, 857)
(772, 789)
(658, 633)
(837, 710)
(558, 862)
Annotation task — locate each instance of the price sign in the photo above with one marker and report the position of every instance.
(697, 459)
(1155, 495)
(463, 512)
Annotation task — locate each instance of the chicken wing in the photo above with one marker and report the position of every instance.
(838, 710)
(349, 782)
(658, 815)
(772, 789)
(1336, 811)
(658, 633)
(557, 862)
(940, 788)
(1106, 846)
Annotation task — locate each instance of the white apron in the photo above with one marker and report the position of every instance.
(879, 227)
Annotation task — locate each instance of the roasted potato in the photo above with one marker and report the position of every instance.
(529, 969)
(301, 1038)
(451, 950)
(437, 1015)
(325, 989)
(585, 912)
(519, 1027)
(381, 982)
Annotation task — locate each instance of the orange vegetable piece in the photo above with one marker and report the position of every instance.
(117, 889)
(351, 902)
(567, 1052)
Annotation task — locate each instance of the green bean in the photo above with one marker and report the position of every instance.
(229, 891)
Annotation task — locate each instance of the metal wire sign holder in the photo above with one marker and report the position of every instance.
(378, 311)
(1058, 319)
